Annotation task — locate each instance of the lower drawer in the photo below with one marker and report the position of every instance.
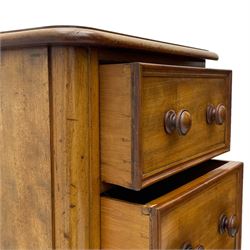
(198, 208)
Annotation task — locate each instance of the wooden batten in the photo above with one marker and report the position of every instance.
(75, 163)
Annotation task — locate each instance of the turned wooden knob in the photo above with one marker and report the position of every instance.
(181, 122)
(216, 114)
(231, 225)
(200, 247)
(188, 246)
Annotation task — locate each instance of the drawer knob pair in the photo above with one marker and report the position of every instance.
(181, 122)
(231, 225)
(216, 114)
(188, 246)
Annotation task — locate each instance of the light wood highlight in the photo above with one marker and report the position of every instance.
(74, 95)
(26, 207)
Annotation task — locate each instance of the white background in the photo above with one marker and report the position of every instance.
(222, 26)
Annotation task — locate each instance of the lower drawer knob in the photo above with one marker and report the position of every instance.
(181, 122)
(188, 246)
(200, 247)
(231, 225)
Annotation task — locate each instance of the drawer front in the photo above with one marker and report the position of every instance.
(196, 219)
(165, 89)
(205, 212)
(157, 120)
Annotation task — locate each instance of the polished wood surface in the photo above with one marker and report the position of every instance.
(115, 116)
(84, 36)
(123, 226)
(26, 208)
(74, 98)
(179, 216)
(165, 88)
(94, 144)
(56, 156)
(50, 150)
(175, 222)
(134, 101)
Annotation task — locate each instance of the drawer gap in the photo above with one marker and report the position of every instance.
(163, 187)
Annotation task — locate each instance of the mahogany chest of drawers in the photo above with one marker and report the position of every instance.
(107, 142)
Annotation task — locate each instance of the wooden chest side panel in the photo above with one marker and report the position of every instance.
(115, 123)
(123, 225)
(26, 221)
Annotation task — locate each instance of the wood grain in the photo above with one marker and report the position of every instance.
(26, 207)
(175, 223)
(178, 216)
(94, 144)
(115, 116)
(134, 102)
(166, 88)
(49, 125)
(206, 189)
(83, 36)
(75, 146)
(123, 225)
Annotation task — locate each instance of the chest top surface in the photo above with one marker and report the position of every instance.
(85, 36)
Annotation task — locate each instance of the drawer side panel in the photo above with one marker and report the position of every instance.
(116, 123)
(123, 225)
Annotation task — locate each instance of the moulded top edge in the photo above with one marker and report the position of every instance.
(85, 36)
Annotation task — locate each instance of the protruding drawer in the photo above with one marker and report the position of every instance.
(195, 209)
(157, 120)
